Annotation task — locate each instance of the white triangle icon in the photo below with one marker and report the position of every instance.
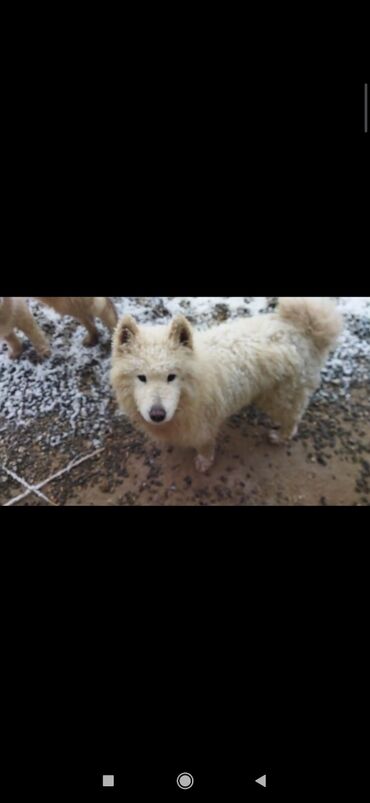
(262, 781)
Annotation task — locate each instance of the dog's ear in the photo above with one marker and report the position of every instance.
(126, 331)
(181, 333)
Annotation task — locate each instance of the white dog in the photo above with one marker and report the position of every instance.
(180, 385)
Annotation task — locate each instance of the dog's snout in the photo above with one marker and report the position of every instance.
(158, 414)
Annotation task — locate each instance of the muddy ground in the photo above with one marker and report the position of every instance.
(327, 464)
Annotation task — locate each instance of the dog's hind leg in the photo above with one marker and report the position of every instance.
(104, 309)
(288, 415)
(107, 312)
(92, 336)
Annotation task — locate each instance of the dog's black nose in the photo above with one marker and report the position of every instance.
(157, 414)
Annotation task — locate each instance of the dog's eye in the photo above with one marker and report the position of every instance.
(171, 378)
(142, 378)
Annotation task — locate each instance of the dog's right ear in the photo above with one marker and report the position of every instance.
(181, 332)
(126, 331)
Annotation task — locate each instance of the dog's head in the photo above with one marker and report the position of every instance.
(151, 367)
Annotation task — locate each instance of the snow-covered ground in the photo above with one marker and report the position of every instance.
(73, 385)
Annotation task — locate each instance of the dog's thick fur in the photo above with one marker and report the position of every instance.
(198, 379)
(85, 309)
(14, 314)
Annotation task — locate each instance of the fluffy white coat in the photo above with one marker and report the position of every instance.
(180, 385)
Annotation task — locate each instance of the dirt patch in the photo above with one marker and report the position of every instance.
(328, 464)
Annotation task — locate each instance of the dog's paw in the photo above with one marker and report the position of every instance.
(203, 464)
(278, 438)
(44, 352)
(91, 340)
(274, 437)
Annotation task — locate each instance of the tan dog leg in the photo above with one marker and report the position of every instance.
(27, 323)
(109, 315)
(15, 346)
(18, 316)
(92, 336)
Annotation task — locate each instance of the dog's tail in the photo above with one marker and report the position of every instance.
(106, 311)
(316, 317)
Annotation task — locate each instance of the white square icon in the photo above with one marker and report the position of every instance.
(108, 780)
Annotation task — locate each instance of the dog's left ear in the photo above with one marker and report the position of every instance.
(181, 333)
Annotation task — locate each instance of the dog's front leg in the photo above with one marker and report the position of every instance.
(15, 345)
(205, 457)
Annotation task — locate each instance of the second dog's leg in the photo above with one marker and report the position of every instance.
(27, 323)
(109, 315)
(15, 346)
(92, 336)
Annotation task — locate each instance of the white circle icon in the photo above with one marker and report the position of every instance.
(185, 780)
